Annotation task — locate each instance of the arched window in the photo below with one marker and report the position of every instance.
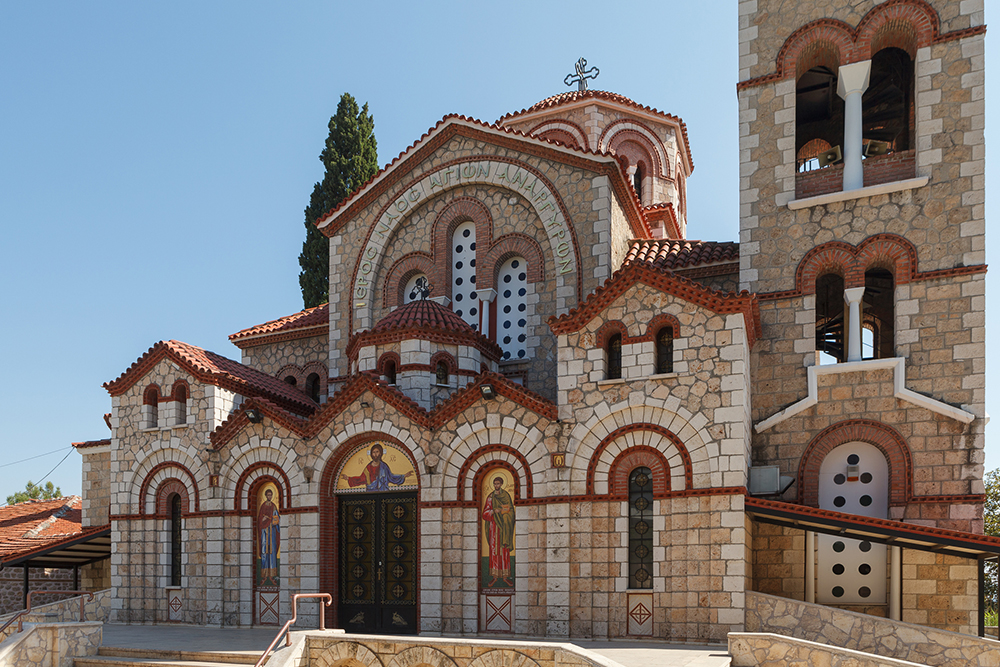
(613, 357)
(640, 529)
(830, 318)
(290, 379)
(416, 288)
(512, 305)
(819, 111)
(665, 350)
(312, 386)
(464, 300)
(150, 399)
(180, 398)
(887, 104)
(441, 373)
(640, 171)
(175, 540)
(853, 478)
(878, 318)
(390, 373)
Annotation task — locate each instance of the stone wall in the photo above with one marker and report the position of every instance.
(770, 650)
(96, 486)
(66, 610)
(861, 632)
(52, 645)
(296, 354)
(39, 579)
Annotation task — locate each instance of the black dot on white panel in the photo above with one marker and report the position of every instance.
(506, 324)
(522, 276)
(520, 354)
(466, 233)
(866, 501)
(514, 264)
(506, 309)
(472, 263)
(839, 546)
(838, 592)
(522, 292)
(521, 322)
(458, 312)
(866, 478)
(458, 297)
(506, 278)
(520, 339)
(520, 307)
(458, 248)
(839, 478)
(506, 355)
(506, 340)
(838, 569)
(472, 311)
(853, 459)
(864, 591)
(839, 501)
(506, 294)
(458, 281)
(473, 279)
(865, 546)
(865, 568)
(472, 246)
(458, 265)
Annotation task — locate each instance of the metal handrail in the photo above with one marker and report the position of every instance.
(295, 615)
(20, 617)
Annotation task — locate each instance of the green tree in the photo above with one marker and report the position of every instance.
(350, 158)
(991, 526)
(34, 492)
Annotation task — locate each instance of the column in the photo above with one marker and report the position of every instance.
(852, 81)
(895, 582)
(852, 328)
(810, 567)
(486, 297)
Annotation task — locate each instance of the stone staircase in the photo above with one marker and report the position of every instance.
(108, 656)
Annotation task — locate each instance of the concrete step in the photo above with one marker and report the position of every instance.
(109, 656)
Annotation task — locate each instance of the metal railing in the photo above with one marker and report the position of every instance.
(295, 615)
(20, 617)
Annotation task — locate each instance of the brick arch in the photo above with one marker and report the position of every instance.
(634, 130)
(821, 52)
(835, 36)
(447, 358)
(635, 457)
(167, 488)
(457, 211)
(609, 329)
(507, 246)
(294, 371)
(488, 455)
(385, 359)
(892, 445)
(884, 251)
(151, 395)
(250, 478)
(400, 273)
(150, 481)
(418, 656)
(178, 386)
(484, 471)
(543, 129)
(647, 440)
(328, 480)
(904, 24)
(662, 320)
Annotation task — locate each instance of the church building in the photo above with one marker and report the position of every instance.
(535, 405)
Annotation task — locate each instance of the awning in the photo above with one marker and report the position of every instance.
(76, 550)
(881, 531)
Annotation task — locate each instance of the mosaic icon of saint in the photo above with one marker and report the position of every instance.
(377, 476)
(498, 513)
(269, 530)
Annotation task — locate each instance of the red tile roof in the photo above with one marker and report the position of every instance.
(212, 368)
(423, 319)
(577, 95)
(91, 443)
(671, 254)
(317, 318)
(34, 524)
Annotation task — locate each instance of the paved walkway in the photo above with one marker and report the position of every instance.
(190, 638)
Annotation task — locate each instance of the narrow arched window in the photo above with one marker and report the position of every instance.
(819, 111)
(180, 399)
(887, 103)
(637, 181)
(312, 386)
(175, 540)
(830, 318)
(512, 306)
(441, 373)
(878, 319)
(290, 379)
(150, 400)
(416, 288)
(390, 373)
(665, 350)
(464, 300)
(613, 355)
(640, 528)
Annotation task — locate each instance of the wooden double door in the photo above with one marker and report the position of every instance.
(377, 581)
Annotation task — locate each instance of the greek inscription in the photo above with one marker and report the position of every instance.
(366, 267)
(562, 249)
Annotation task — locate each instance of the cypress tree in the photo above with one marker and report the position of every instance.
(350, 158)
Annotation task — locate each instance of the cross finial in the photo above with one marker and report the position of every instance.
(582, 74)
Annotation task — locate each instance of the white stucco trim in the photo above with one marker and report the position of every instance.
(870, 191)
(898, 364)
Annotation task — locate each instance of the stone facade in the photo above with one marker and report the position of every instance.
(655, 376)
(52, 645)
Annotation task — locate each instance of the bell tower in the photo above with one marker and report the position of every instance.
(862, 232)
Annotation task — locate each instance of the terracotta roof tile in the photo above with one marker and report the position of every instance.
(310, 317)
(577, 95)
(683, 254)
(213, 368)
(423, 313)
(37, 523)
(91, 443)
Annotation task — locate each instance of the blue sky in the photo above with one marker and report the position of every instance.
(155, 160)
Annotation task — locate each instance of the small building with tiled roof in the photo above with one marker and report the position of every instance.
(536, 406)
